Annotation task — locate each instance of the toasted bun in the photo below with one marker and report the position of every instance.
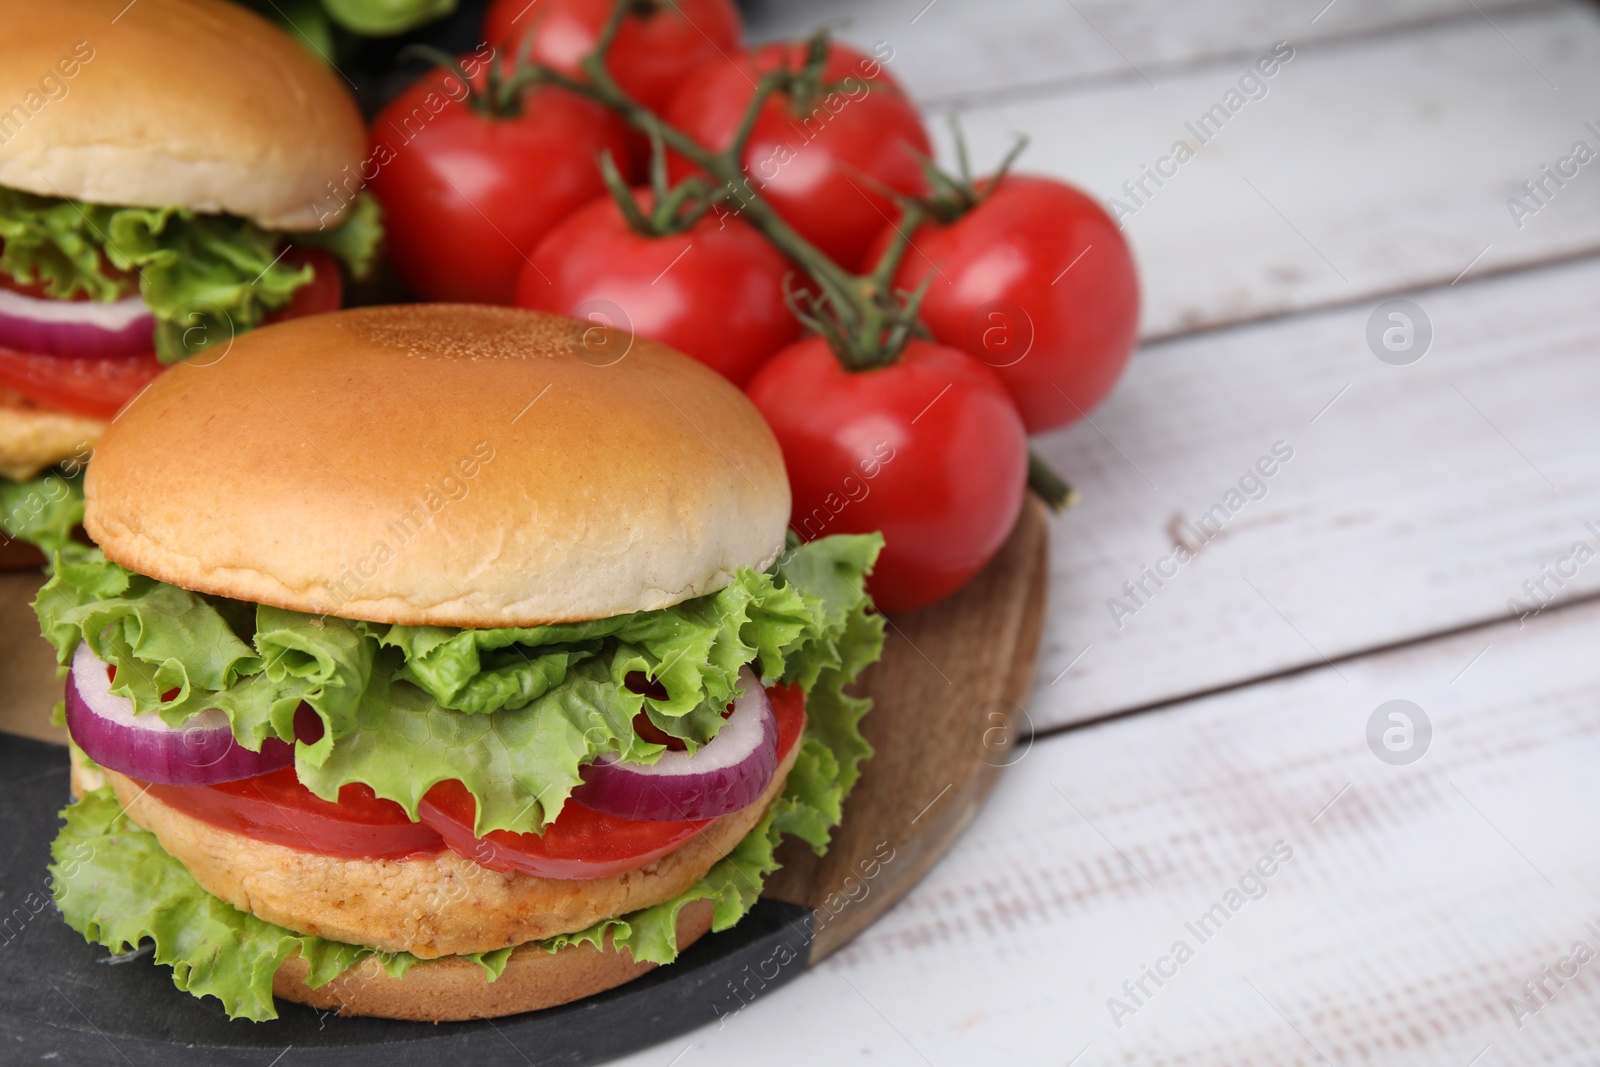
(441, 464)
(33, 437)
(187, 103)
(453, 989)
(429, 906)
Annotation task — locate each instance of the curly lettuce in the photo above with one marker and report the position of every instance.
(115, 885)
(43, 510)
(204, 277)
(512, 713)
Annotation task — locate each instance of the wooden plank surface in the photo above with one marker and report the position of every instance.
(1416, 901)
(29, 687)
(953, 51)
(1417, 502)
(1370, 168)
(947, 713)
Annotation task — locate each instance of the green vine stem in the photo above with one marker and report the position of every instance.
(1050, 486)
(864, 318)
(866, 321)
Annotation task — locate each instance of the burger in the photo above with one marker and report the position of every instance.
(170, 176)
(443, 662)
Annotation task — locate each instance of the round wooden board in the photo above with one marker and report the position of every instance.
(948, 712)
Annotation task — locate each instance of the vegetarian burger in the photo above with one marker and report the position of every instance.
(169, 177)
(434, 663)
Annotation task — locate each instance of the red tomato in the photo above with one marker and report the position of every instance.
(93, 387)
(466, 195)
(275, 807)
(651, 55)
(323, 293)
(929, 450)
(98, 387)
(1038, 282)
(822, 164)
(582, 843)
(714, 292)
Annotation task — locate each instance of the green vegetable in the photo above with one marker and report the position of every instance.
(44, 510)
(115, 885)
(205, 278)
(511, 713)
(354, 241)
(384, 18)
(305, 21)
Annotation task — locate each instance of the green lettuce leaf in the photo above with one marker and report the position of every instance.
(384, 18)
(204, 277)
(116, 886)
(693, 649)
(511, 713)
(354, 241)
(43, 510)
(827, 767)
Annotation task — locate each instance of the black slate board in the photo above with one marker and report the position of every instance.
(63, 1002)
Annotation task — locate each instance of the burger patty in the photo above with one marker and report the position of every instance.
(34, 437)
(429, 906)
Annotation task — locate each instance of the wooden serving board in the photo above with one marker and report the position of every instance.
(948, 714)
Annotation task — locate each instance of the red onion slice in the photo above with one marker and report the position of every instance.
(726, 775)
(75, 328)
(203, 751)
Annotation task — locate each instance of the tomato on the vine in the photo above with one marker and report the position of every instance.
(824, 161)
(1036, 281)
(713, 291)
(655, 47)
(929, 450)
(466, 194)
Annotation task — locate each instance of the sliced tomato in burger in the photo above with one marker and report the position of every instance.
(98, 386)
(277, 808)
(94, 387)
(323, 293)
(582, 843)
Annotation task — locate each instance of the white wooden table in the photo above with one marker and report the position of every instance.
(1227, 717)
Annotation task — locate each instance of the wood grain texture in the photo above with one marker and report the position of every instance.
(1368, 169)
(1417, 900)
(951, 52)
(948, 712)
(1416, 503)
(29, 687)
